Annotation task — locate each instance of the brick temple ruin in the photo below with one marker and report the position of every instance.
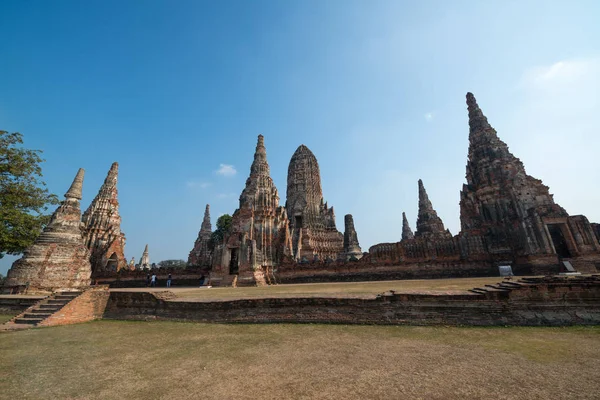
(73, 247)
(507, 218)
(58, 258)
(201, 254)
(265, 235)
(312, 222)
(259, 238)
(102, 227)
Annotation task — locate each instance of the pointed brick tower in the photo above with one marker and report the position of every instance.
(352, 250)
(428, 222)
(145, 259)
(102, 224)
(514, 212)
(259, 236)
(407, 233)
(58, 259)
(497, 178)
(201, 254)
(312, 223)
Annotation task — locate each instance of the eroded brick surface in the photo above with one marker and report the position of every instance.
(102, 227)
(201, 254)
(58, 259)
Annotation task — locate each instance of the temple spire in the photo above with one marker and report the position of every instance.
(74, 191)
(428, 221)
(113, 174)
(260, 164)
(488, 154)
(480, 130)
(201, 253)
(145, 260)
(425, 205)
(102, 223)
(407, 233)
(58, 258)
(206, 226)
(352, 250)
(260, 190)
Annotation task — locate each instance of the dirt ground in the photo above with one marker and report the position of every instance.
(170, 360)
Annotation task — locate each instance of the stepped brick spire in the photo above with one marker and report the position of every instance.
(312, 223)
(102, 224)
(260, 191)
(259, 235)
(514, 212)
(407, 233)
(201, 254)
(58, 259)
(206, 226)
(352, 250)
(428, 222)
(488, 155)
(145, 259)
(498, 188)
(74, 191)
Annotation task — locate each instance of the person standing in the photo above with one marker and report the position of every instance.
(169, 281)
(153, 280)
(147, 280)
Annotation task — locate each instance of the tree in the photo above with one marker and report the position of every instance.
(223, 228)
(172, 264)
(24, 198)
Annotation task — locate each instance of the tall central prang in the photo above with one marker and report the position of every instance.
(312, 222)
(259, 236)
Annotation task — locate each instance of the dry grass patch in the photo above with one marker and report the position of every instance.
(141, 360)
(333, 289)
(7, 317)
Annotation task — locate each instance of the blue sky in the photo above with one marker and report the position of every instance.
(177, 92)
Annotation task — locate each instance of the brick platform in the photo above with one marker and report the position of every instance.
(530, 302)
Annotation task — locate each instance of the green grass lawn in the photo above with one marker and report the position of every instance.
(153, 360)
(342, 289)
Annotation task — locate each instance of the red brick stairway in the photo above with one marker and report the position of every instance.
(45, 308)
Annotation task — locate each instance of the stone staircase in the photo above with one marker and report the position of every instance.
(504, 286)
(45, 308)
(509, 285)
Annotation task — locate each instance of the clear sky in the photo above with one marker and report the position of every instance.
(177, 92)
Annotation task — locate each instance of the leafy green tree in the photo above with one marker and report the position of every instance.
(24, 199)
(172, 264)
(223, 228)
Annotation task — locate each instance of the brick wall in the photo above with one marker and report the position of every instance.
(352, 272)
(86, 307)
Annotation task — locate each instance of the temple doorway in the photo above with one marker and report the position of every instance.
(233, 262)
(558, 239)
(112, 263)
